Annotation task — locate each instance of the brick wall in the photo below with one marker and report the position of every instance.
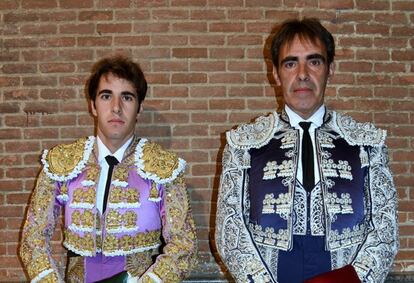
(208, 68)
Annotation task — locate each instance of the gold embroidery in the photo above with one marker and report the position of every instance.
(113, 220)
(77, 195)
(62, 159)
(76, 270)
(121, 174)
(154, 191)
(116, 195)
(130, 219)
(126, 243)
(76, 217)
(92, 172)
(158, 161)
(131, 195)
(138, 263)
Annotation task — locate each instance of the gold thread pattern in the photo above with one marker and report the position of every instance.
(158, 161)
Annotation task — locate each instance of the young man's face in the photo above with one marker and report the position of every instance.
(303, 74)
(116, 110)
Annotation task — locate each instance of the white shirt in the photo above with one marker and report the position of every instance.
(316, 121)
(103, 151)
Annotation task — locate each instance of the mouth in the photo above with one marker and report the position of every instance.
(302, 89)
(116, 121)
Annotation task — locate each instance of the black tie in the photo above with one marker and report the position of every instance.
(307, 157)
(112, 161)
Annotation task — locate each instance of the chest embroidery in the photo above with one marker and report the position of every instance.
(280, 205)
(273, 170)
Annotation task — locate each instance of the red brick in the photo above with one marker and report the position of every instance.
(113, 28)
(76, 55)
(203, 170)
(21, 17)
(189, 27)
(243, 66)
(22, 146)
(78, 132)
(154, 131)
(390, 42)
(131, 40)
(186, 3)
(20, 42)
(72, 4)
(152, 53)
(376, 55)
(216, 104)
(38, 4)
(43, 133)
(207, 14)
(208, 66)
(168, 40)
(171, 118)
(189, 104)
(97, 15)
(58, 16)
(22, 172)
(95, 41)
(38, 29)
(373, 79)
(391, 92)
(257, 78)
(226, 53)
(114, 3)
(232, 78)
(209, 117)
(157, 104)
(372, 5)
(398, 31)
(77, 29)
(58, 94)
(9, 107)
(58, 120)
(9, 81)
(10, 134)
(207, 91)
(72, 80)
(57, 42)
(402, 5)
(407, 55)
(355, 42)
(155, 28)
(57, 68)
(188, 78)
(404, 79)
(10, 185)
(8, 4)
(359, 67)
(226, 27)
(389, 67)
(10, 160)
(189, 52)
(343, 4)
(170, 91)
(225, 3)
(40, 55)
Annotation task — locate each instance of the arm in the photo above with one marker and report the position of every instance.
(37, 231)
(375, 256)
(178, 230)
(233, 240)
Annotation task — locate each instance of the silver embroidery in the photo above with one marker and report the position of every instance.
(269, 236)
(280, 205)
(316, 213)
(338, 205)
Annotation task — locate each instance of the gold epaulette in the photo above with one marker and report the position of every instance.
(157, 164)
(66, 161)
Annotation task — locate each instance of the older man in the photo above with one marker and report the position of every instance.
(306, 195)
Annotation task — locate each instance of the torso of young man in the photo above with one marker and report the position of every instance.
(271, 229)
(147, 203)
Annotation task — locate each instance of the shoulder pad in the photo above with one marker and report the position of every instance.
(255, 134)
(356, 133)
(65, 161)
(157, 164)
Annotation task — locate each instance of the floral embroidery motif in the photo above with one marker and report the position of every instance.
(254, 135)
(280, 205)
(286, 169)
(269, 236)
(82, 221)
(83, 198)
(117, 222)
(338, 205)
(289, 140)
(331, 169)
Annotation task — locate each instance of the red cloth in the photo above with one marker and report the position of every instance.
(346, 274)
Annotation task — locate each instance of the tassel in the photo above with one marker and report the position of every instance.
(363, 155)
(154, 194)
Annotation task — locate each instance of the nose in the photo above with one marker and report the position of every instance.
(116, 105)
(303, 74)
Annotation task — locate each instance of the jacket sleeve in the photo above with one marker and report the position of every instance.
(35, 250)
(375, 256)
(178, 230)
(234, 242)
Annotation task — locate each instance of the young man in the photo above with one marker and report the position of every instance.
(122, 195)
(306, 195)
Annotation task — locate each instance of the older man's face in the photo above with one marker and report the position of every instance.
(303, 73)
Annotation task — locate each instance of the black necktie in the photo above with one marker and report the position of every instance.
(112, 161)
(307, 157)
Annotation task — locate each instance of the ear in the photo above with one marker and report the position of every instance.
(276, 76)
(93, 108)
(331, 70)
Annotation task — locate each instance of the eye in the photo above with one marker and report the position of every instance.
(128, 97)
(316, 62)
(105, 96)
(289, 64)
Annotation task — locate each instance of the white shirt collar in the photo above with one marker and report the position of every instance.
(103, 151)
(316, 118)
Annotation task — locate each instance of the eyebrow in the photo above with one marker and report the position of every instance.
(309, 57)
(122, 93)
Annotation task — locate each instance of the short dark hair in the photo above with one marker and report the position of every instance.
(121, 67)
(308, 29)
